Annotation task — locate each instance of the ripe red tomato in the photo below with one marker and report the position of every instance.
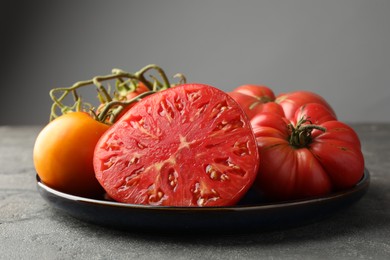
(315, 112)
(263, 93)
(312, 155)
(292, 101)
(141, 88)
(190, 145)
(256, 99)
(63, 154)
(120, 110)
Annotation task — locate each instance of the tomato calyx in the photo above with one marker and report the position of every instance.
(300, 135)
(265, 99)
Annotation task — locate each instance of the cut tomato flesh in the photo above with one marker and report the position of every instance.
(189, 145)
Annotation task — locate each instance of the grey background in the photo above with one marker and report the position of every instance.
(336, 48)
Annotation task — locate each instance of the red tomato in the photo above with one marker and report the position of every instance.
(140, 89)
(190, 145)
(252, 106)
(290, 102)
(300, 159)
(263, 93)
(63, 154)
(256, 99)
(315, 112)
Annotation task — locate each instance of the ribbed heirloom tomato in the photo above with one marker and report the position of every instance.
(310, 155)
(292, 101)
(257, 99)
(63, 154)
(190, 145)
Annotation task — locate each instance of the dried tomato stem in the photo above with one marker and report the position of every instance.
(140, 74)
(125, 82)
(57, 101)
(182, 78)
(121, 105)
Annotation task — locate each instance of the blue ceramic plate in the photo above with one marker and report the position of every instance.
(251, 214)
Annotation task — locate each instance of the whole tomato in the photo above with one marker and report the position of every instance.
(311, 155)
(256, 99)
(118, 111)
(140, 89)
(292, 101)
(63, 154)
(263, 93)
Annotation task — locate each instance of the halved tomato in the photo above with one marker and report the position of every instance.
(190, 145)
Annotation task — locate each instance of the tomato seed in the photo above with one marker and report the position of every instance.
(224, 177)
(219, 109)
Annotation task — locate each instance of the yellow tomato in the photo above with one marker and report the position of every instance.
(63, 154)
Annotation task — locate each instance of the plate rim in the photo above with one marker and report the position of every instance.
(363, 184)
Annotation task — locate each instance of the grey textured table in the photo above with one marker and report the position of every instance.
(31, 229)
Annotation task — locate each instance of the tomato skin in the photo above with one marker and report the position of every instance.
(288, 174)
(263, 93)
(63, 154)
(256, 99)
(190, 145)
(331, 161)
(339, 152)
(315, 112)
(292, 101)
(253, 106)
